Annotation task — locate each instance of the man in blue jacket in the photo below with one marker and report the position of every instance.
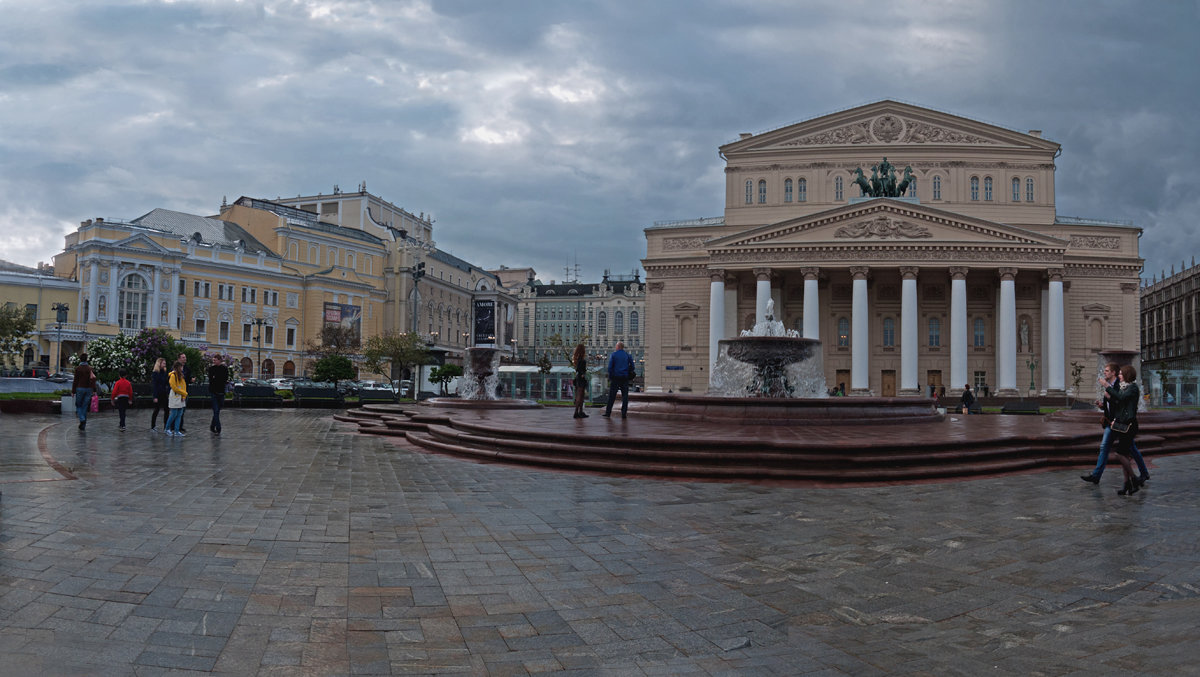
(620, 373)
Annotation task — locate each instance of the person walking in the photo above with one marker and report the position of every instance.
(1106, 440)
(620, 373)
(968, 400)
(1125, 396)
(159, 390)
(187, 379)
(579, 362)
(177, 400)
(218, 376)
(122, 394)
(83, 387)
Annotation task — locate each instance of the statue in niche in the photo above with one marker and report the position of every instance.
(1023, 335)
(162, 314)
(102, 308)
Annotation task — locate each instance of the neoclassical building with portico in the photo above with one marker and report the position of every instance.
(963, 273)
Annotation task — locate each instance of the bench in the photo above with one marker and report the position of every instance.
(315, 396)
(256, 396)
(143, 395)
(1023, 407)
(376, 395)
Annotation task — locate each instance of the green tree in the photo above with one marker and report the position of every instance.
(444, 374)
(333, 368)
(565, 345)
(15, 326)
(334, 339)
(544, 366)
(1076, 376)
(393, 351)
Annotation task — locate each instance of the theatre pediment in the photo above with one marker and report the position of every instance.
(885, 222)
(142, 242)
(887, 123)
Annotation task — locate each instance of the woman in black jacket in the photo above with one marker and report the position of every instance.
(579, 362)
(159, 388)
(1124, 396)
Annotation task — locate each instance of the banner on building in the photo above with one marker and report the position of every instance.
(344, 315)
(485, 322)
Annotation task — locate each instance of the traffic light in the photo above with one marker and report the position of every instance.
(420, 271)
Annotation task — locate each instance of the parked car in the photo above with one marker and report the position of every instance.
(252, 382)
(59, 377)
(36, 371)
(281, 383)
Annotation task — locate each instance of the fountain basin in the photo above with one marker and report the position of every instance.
(786, 411)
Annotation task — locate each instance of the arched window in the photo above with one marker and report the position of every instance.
(762, 192)
(268, 369)
(987, 189)
(974, 188)
(912, 188)
(602, 322)
(843, 335)
(838, 189)
(935, 332)
(633, 322)
(889, 332)
(132, 299)
(937, 187)
(980, 337)
(802, 190)
(289, 368)
(618, 322)
(787, 190)
(1016, 185)
(1029, 190)
(749, 192)
(247, 369)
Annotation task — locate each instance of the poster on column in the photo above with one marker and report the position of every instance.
(344, 315)
(485, 322)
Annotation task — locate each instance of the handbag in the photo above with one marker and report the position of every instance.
(1120, 427)
(174, 400)
(94, 407)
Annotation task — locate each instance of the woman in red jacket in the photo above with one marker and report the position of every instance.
(122, 394)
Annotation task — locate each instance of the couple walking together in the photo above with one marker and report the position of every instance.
(1119, 404)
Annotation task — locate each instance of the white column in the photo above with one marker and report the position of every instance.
(716, 316)
(1044, 340)
(812, 304)
(731, 309)
(860, 345)
(153, 318)
(762, 293)
(173, 299)
(93, 292)
(1056, 341)
(1006, 337)
(113, 273)
(909, 347)
(958, 328)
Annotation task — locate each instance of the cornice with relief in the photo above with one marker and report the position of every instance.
(689, 270)
(802, 255)
(919, 168)
(887, 129)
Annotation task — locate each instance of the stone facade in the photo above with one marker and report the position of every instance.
(969, 276)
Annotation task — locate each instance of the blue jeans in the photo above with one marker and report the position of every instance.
(1106, 443)
(218, 399)
(613, 386)
(175, 419)
(83, 401)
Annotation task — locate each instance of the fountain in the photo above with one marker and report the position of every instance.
(481, 369)
(768, 361)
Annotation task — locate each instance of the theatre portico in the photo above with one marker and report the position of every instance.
(967, 275)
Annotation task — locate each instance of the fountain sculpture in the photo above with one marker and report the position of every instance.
(477, 390)
(768, 361)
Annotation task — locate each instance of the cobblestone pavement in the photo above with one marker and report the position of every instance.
(291, 545)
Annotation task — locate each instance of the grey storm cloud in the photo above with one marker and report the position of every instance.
(545, 133)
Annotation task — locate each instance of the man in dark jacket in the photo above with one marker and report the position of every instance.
(620, 373)
(82, 387)
(218, 376)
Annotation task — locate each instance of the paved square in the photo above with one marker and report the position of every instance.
(292, 545)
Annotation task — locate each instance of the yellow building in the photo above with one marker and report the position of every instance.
(260, 280)
(40, 293)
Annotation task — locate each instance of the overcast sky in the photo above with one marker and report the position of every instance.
(548, 133)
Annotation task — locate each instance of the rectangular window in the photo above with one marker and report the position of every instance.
(246, 333)
(200, 326)
(182, 287)
(291, 337)
(196, 289)
(207, 290)
(269, 335)
(935, 332)
(224, 332)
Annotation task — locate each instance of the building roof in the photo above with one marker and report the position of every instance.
(211, 231)
(578, 289)
(10, 267)
(307, 219)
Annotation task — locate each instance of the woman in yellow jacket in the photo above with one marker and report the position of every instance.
(176, 400)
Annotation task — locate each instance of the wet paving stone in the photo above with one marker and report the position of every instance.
(292, 545)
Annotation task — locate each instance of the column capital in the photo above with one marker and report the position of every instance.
(1056, 274)
(859, 272)
(716, 275)
(1007, 273)
(762, 274)
(810, 273)
(958, 272)
(1129, 287)
(909, 272)
(655, 287)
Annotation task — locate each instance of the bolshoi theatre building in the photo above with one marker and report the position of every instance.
(921, 248)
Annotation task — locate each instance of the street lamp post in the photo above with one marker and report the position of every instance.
(1032, 363)
(60, 316)
(258, 323)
